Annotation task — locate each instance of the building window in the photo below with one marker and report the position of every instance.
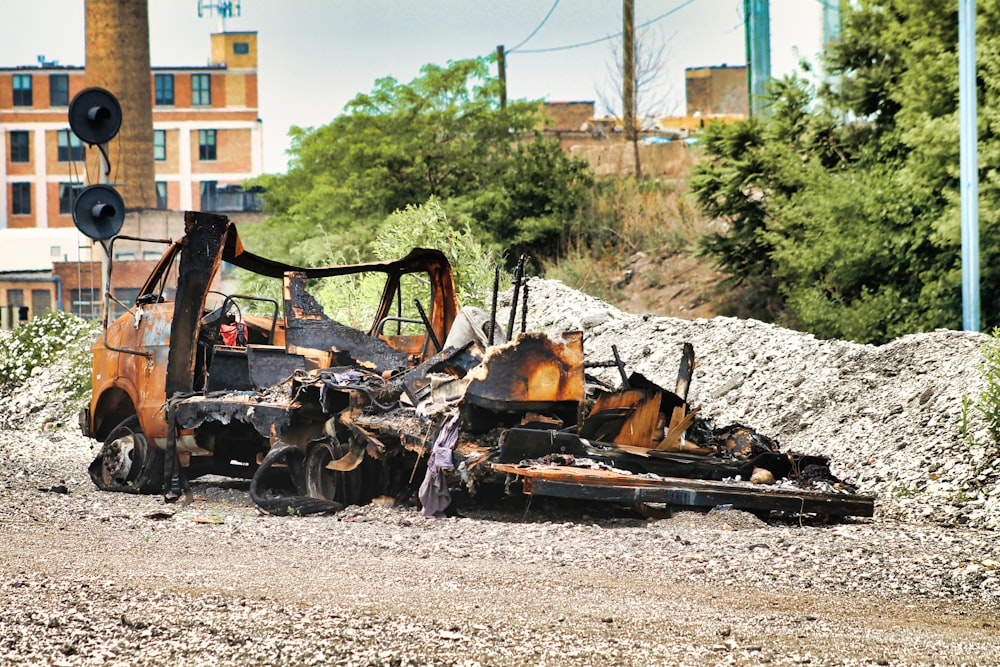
(164, 88)
(70, 147)
(124, 295)
(22, 90)
(58, 90)
(201, 90)
(20, 198)
(161, 195)
(41, 302)
(86, 302)
(241, 48)
(67, 196)
(209, 192)
(20, 146)
(159, 144)
(206, 144)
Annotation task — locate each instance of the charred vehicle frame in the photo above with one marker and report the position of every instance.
(278, 391)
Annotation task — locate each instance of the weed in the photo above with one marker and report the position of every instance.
(623, 216)
(988, 404)
(904, 491)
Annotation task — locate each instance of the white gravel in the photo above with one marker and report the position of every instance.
(889, 417)
(92, 578)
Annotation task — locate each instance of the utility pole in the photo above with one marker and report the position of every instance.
(757, 24)
(628, 79)
(832, 11)
(968, 163)
(502, 74)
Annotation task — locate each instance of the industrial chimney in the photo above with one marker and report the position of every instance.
(118, 60)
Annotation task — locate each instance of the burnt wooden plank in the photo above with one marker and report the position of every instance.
(691, 494)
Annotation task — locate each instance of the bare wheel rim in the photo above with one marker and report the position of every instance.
(117, 460)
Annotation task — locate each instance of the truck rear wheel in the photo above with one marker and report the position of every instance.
(127, 462)
(321, 482)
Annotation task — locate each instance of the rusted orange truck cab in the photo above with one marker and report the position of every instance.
(165, 382)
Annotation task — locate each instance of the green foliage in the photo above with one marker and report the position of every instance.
(43, 341)
(631, 215)
(842, 205)
(441, 135)
(352, 300)
(473, 263)
(988, 403)
(529, 201)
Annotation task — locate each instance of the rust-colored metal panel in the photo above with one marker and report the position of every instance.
(534, 368)
(307, 328)
(607, 485)
(627, 417)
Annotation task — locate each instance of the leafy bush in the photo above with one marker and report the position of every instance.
(45, 340)
(989, 401)
(426, 226)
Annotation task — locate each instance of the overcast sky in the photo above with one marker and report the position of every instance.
(315, 55)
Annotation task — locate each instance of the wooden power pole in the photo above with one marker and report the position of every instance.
(628, 79)
(502, 74)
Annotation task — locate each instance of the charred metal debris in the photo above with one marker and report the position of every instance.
(428, 399)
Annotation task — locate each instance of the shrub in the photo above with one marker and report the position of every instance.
(44, 341)
(989, 401)
(426, 226)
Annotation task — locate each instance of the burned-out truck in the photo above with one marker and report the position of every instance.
(425, 398)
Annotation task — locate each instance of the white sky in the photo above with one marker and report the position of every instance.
(315, 55)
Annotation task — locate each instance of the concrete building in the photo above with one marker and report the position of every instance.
(205, 141)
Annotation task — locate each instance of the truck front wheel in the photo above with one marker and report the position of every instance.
(127, 462)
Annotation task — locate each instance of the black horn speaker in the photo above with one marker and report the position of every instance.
(95, 116)
(99, 212)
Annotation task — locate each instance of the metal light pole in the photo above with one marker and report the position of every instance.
(757, 25)
(969, 163)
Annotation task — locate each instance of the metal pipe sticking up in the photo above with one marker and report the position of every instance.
(621, 368)
(493, 310)
(427, 323)
(518, 274)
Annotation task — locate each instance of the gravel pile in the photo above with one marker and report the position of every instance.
(88, 577)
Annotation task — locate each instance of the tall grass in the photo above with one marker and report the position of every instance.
(623, 216)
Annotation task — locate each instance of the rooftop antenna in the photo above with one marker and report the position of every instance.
(224, 9)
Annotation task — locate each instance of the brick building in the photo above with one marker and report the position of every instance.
(719, 90)
(205, 141)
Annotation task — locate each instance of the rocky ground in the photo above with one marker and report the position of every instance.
(97, 578)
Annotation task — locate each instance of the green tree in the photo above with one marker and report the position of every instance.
(843, 203)
(442, 135)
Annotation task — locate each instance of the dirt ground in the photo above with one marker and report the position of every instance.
(98, 578)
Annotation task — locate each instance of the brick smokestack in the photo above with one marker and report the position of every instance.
(118, 59)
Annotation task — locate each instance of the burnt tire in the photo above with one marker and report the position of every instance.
(127, 462)
(349, 488)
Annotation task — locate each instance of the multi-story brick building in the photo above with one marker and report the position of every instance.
(206, 140)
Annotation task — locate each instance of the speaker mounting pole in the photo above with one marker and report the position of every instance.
(95, 116)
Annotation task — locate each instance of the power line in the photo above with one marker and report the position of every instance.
(525, 40)
(609, 37)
